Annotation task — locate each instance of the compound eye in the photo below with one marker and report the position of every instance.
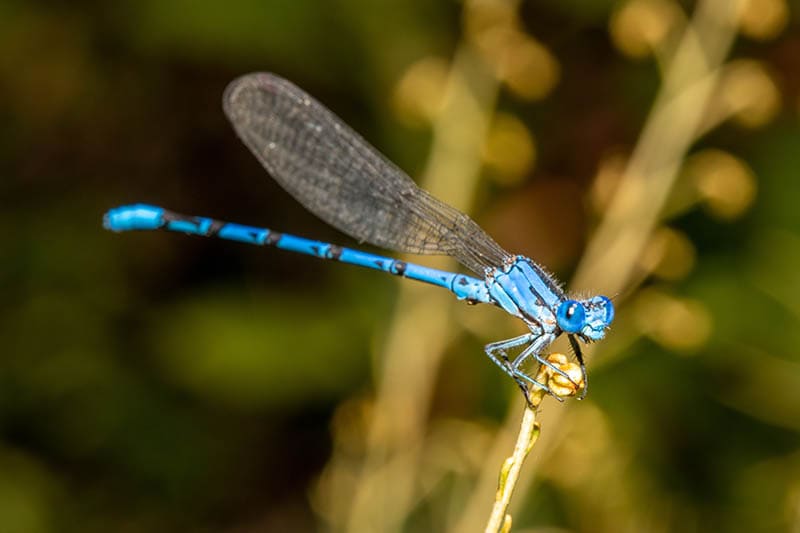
(609, 307)
(570, 316)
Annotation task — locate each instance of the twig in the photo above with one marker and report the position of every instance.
(500, 520)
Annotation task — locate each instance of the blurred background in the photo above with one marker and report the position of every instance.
(645, 149)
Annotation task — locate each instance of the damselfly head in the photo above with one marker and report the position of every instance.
(588, 319)
(599, 315)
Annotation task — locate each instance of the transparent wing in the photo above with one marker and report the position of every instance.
(339, 177)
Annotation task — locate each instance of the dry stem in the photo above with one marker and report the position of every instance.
(500, 519)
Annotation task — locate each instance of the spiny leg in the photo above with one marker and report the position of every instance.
(579, 356)
(505, 364)
(538, 344)
(535, 349)
(501, 347)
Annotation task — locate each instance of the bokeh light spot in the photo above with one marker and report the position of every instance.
(526, 66)
(763, 19)
(669, 255)
(641, 26)
(749, 91)
(609, 174)
(509, 149)
(724, 182)
(419, 94)
(679, 324)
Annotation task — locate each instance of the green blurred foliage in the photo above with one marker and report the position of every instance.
(160, 383)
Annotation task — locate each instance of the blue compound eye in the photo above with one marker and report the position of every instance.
(609, 307)
(570, 316)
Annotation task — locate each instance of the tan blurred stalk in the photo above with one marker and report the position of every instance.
(422, 325)
(608, 265)
(373, 485)
(384, 477)
(673, 125)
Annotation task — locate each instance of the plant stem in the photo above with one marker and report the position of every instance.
(500, 520)
(529, 429)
